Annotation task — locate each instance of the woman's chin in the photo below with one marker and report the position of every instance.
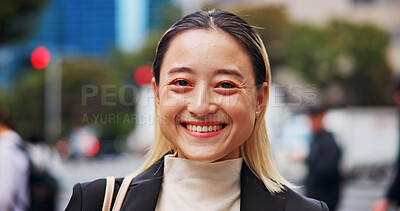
(206, 157)
(198, 156)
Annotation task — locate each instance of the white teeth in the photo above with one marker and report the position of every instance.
(203, 129)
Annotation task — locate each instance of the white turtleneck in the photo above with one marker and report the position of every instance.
(189, 185)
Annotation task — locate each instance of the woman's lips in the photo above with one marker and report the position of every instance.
(203, 123)
(203, 129)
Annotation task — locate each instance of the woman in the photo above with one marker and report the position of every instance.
(211, 151)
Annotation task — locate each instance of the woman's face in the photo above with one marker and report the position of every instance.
(206, 97)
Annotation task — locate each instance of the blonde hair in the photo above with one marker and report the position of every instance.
(256, 150)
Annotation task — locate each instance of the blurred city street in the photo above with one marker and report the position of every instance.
(75, 87)
(84, 170)
(358, 195)
(361, 194)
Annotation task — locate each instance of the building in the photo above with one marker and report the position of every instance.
(383, 13)
(85, 28)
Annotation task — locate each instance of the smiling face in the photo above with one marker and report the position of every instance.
(206, 97)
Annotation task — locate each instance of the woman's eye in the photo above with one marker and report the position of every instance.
(180, 83)
(226, 85)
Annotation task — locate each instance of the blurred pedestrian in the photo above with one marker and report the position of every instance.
(323, 179)
(392, 196)
(14, 167)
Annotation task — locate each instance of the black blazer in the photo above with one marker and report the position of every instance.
(143, 193)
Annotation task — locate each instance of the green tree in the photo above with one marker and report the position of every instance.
(311, 53)
(27, 105)
(272, 23)
(351, 56)
(368, 78)
(77, 109)
(91, 96)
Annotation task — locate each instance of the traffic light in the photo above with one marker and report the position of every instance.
(143, 75)
(40, 58)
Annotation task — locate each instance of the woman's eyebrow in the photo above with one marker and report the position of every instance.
(230, 72)
(233, 72)
(180, 70)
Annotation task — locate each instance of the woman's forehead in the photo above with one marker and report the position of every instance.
(201, 48)
(202, 39)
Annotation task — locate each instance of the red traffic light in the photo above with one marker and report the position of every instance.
(143, 75)
(40, 58)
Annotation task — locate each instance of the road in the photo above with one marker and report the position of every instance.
(357, 195)
(361, 194)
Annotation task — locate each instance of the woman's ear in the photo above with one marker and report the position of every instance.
(155, 91)
(262, 97)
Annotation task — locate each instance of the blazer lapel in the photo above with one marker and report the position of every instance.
(144, 189)
(254, 195)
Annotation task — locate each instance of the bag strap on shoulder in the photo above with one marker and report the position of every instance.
(122, 192)
(110, 182)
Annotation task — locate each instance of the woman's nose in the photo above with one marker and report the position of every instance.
(201, 103)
